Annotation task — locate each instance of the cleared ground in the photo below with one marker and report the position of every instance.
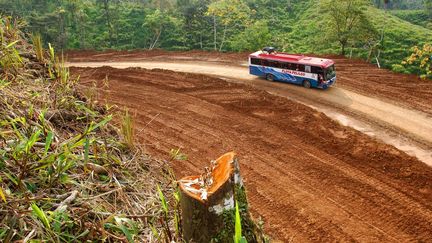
(355, 75)
(310, 178)
(396, 122)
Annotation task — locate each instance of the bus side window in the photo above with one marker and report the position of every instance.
(284, 65)
(270, 64)
(300, 67)
(317, 70)
(291, 66)
(273, 64)
(279, 64)
(264, 62)
(255, 61)
(308, 69)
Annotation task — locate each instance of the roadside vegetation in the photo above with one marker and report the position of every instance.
(422, 58)
(69, 168)
(377, 36)
(382, 32)
(415, 16)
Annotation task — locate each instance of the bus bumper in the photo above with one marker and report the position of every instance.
(327, 84)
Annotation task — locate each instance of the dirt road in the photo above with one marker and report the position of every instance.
(405, 128)
(309, 177)
(354, 74)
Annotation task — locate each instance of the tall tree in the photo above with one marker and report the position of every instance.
(196, 22)
(231, 13)
(76, 17)
(347, 22)
(157, 22)
(254, 37)
(62, 37)
(428, 7)
(108, 19)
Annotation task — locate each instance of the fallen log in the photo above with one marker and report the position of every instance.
(208, 203)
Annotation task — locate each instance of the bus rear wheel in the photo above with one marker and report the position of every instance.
(307, 84)
(270, 77)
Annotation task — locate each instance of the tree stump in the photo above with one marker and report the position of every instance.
(208, 202)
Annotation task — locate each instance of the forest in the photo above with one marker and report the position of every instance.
(381, 31)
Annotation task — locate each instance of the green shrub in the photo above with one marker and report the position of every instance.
(398, 68)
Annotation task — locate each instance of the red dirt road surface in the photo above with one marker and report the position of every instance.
(310, 178)
(355, 75)
(397, 116)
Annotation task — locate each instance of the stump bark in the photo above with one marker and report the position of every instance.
(208, 201)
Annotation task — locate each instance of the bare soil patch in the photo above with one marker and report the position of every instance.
(365, 78)
(95, 56)
(310, 178)
(353, 74)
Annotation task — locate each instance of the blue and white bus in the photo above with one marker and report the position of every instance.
(311, 72)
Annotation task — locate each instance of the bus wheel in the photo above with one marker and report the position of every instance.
(307, 84)
(270, 77)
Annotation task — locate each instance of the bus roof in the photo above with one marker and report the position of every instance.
(293, 58)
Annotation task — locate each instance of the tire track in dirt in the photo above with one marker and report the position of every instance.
(406, 90)
(354, 74)
(410, 130)
(320, 182)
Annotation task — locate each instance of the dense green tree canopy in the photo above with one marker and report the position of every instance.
(346, 26)
(347, 23)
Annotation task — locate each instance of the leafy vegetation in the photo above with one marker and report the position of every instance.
(347, 22)
(379, 31)
(389, 47)
(66, 172)
(428, 7)
(417, 17)
(422, 57)
(238, 238)
(241, 228)
(399, 4)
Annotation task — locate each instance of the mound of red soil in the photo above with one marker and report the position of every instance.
(310, 178)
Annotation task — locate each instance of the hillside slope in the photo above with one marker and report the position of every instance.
(68, 174)
(248, 25)
(416, 16)
(399, 35)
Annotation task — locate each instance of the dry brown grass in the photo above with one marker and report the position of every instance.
(65, 175)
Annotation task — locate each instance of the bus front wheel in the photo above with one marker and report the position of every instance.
(307, 84)
(270, 77)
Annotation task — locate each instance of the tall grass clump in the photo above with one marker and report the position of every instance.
(238, 238)
(10, 59)
(65, 174)
(38, 47)
(127, 129)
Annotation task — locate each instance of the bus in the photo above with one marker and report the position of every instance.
(311, 72)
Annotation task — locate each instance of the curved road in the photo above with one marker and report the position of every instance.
(317, 183)
(406, 129)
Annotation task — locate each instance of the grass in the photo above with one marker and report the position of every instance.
(414, 16)
(65, 173)
(127, 129)
(238, 238)
(38, 47)
(400, 35)
(10, 60)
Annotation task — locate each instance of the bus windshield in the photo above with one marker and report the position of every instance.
(330, 72)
